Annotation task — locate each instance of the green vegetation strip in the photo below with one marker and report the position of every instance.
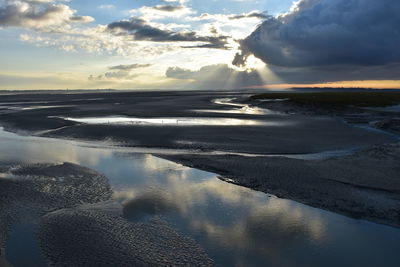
(361, 99)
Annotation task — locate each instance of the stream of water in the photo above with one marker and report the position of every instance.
(236, 226)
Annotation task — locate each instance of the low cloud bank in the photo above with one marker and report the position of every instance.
(219, 76)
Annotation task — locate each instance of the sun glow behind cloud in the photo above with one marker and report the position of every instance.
(71, 44)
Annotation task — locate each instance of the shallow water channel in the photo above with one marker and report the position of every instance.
(236, 226)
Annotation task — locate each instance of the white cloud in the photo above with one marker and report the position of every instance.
(158, 41)
(160, 12)
(37, 14)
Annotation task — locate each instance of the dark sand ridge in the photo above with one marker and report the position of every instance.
(65, 200)
(380, 108)
(364, 185)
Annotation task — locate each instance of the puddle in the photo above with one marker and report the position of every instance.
(193, 121)
(178, 121)
(239, 108)
(44, 107)
(18, 144)
(274, 100)
(243, 110)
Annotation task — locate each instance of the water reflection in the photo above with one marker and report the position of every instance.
(15, 148)
(239, 108)
(228, 217)
(235, 225)
(252, 228)
(24, 148)
(243, 110)
(178, 121)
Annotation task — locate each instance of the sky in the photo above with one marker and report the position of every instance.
(198, 44)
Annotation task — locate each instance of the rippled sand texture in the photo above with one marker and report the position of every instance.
(80, 225)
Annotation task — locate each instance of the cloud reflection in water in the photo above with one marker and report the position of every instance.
(235, 225)
(226, 216)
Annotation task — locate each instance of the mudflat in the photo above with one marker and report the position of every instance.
(286, 152)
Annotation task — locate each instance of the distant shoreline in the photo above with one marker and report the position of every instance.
(305, 89)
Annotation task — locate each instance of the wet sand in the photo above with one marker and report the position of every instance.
(364, 185)
(281, 134)
(79, 224)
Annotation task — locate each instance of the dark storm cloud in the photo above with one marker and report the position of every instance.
(129, 67)
(140, 30)
(335, 73)
(329, 32)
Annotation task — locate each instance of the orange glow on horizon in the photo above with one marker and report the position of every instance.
(373, 84)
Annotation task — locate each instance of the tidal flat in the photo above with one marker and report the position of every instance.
(279, 183)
